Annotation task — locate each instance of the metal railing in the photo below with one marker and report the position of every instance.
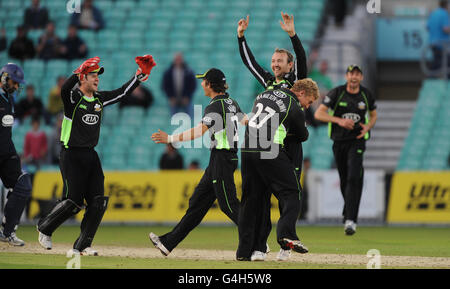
(367, 58)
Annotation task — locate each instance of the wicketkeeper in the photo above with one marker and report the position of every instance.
(79, 163)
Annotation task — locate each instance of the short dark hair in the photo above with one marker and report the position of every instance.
(36, 118)
(218, 87)
(443, 3)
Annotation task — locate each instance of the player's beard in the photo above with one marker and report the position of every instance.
(278, 73)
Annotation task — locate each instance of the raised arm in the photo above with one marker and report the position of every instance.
(68, 85)
(114, 96)
(145, 63)
(300, 65)
(247, 56)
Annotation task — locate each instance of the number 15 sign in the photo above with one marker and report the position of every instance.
(401, 38)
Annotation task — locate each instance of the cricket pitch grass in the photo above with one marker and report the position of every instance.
(214, 247)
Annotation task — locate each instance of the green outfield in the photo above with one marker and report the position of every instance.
(323, 242)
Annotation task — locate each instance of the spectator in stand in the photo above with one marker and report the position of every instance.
(55, 105)
(179, 85)
(35, 145)
(73, 47)
(2, 39)
(141, 96)
(194, 165)
(21, 47)
(29, 106)
(54, 142)
(36, 17)
(340, 11)
(438, 26)
(49, 44)
(320, 76)
(171, 159)
(89, 18)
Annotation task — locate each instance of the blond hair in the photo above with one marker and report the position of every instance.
(308, 85)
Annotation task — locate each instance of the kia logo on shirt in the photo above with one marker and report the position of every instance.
(279, 94)
(353, 116)
(90, 119)
(8, 120)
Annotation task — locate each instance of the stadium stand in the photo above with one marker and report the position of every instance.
(427, 145)
(202, 30)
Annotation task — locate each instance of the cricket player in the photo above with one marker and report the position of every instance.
(80, 165)
(11, 174)
(286, 70)
(265, 164)
(221, 119)
(350, 111)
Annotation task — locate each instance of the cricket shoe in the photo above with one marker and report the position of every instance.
(284, 255)
(350, 227)
(45, 241)
(158, 244)
(11, 239)
(89, 251)
(258, 256)
(295, 245)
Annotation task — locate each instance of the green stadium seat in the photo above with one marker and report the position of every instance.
(57, 65)
(114, 162)
(185, 25)
(125, 5)
(160, 25)
(171, 4)
(266, 4)
(289, 6)
(428, 143)
(217, 5)
(34, 65)
(203, 45)
(136, 25)
(12, 5)
(196, 5)
(118, 15)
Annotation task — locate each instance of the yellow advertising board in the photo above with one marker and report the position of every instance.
(141, 196)
(419, 197)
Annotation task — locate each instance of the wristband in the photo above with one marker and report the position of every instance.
(170, 138)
